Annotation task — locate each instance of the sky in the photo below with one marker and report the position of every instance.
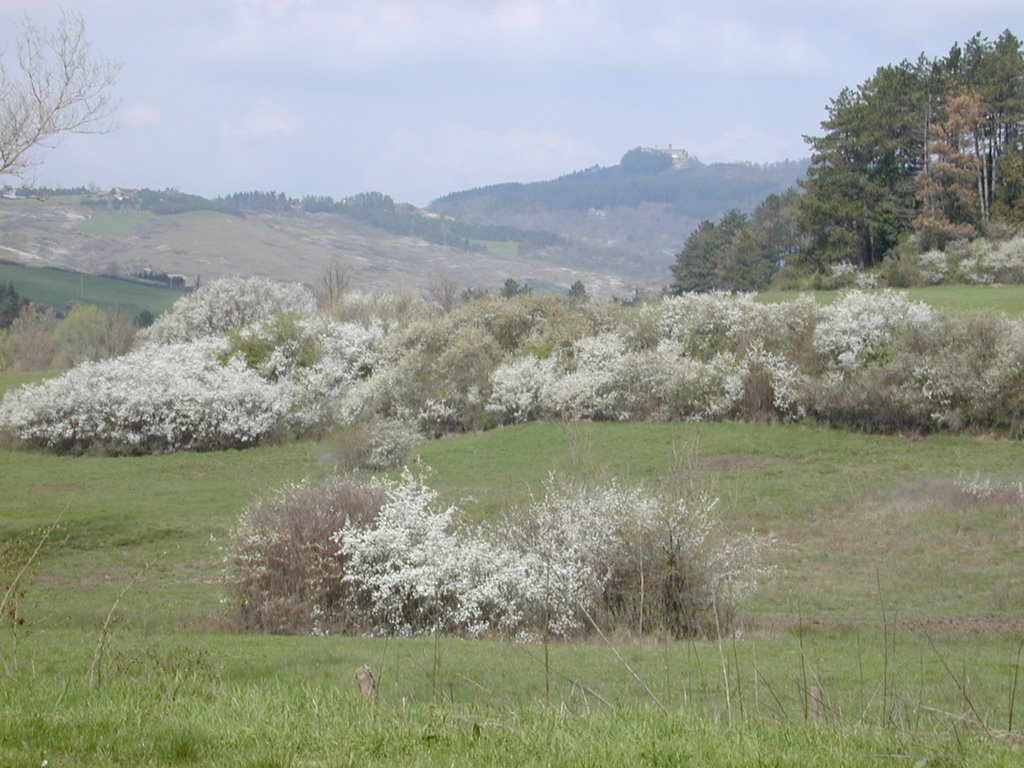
(419, 98)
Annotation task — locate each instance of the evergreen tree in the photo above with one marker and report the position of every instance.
(696, 267)
(11, 304)
(860, 187)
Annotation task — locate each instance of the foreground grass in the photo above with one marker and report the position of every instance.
(891, 635)
(223, 700)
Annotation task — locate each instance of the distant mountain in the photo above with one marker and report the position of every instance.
(631, 218)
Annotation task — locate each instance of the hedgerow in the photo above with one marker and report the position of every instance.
(272, 367)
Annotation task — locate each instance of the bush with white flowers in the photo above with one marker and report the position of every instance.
(609, 554)
(224, 305)
(860, 324)
(279, 374)
(707, 324)
(158, 398)
(414, 571)
(516, 388)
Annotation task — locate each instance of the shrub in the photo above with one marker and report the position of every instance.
(31, 335)
(175, 397)
(587, 384)
(516, 388)
(392, 560)
(224, 305)
(619, 554)
(279, 375)
(859, 326)
(708, 324)
(414, 571)
(634, 561)
(956, 371)
(284, 569)
(378, 444)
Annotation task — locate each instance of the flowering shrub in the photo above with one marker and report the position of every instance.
(989, 261)
(957, 371)
(860, 324)
(174, 397)
(279, 374)
(564, 545)
(587, 384)
(413, 571)
(772, 386)
(708, 324)
(224, 305)
(516, 387)
(321, 360)
(633, 560)
(871, 360)
(610, 552)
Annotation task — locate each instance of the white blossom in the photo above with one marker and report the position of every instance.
(859, 324)
(224, 305)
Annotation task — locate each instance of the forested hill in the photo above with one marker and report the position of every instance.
(630, 219)
(688, 186)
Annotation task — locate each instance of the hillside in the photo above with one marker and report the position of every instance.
(290, 245)
(632, 217)
(613, 229)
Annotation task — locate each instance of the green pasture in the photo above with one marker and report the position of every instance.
(57, 288)
(216, 699)
(505, 249)
(1004, 298)
(890, 635)
(121, 223)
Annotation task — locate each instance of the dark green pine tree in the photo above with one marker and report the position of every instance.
(10, 304)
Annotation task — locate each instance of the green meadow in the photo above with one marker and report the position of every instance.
(892, 631)
(57, 288)
(890, 634)
(1005, 298)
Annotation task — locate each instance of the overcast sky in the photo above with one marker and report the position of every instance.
(417, 98)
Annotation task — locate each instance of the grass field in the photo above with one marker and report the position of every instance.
(124, 223)
(57, 288)
(1005, 298)
(891, 634)
(505, 249)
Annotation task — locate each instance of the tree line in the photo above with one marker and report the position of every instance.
(931, 148)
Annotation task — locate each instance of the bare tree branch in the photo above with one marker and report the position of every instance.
(57, 85)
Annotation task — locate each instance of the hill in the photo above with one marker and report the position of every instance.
(613, 229)
(633, 217)
(290, 245)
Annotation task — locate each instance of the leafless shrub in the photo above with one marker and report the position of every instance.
(285, 572)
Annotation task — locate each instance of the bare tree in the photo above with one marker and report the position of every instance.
(332, 285)
(445, 294)
(57, 85)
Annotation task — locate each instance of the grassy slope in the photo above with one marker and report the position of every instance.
(870, 529)
(853, 512)
(57, 288)
(898, 598)
(1007, 298)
